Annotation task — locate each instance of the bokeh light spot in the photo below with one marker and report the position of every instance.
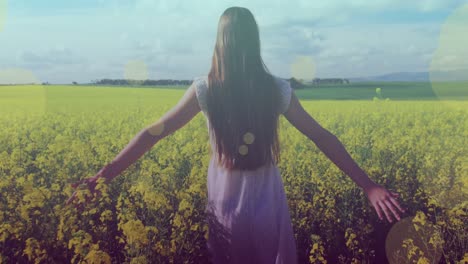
(248, 138)
(156, 129)
(450, 60)
(17, 76)
(3, 13)
(243, 150)
(136, 70)
(303, 68)
(26, 95)
(412, 239)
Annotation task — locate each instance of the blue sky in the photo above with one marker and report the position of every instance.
(65, 41)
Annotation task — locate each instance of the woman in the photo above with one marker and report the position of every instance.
(249, 221)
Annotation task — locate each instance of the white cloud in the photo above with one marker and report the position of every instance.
(378, 48)
(175, 39)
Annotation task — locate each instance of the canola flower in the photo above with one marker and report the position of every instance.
(154, 211)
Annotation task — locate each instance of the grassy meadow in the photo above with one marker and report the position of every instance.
(153, 212)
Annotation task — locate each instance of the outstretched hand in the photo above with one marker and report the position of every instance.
(384, 202)
(89, 183)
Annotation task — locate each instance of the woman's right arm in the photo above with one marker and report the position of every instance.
(330, 145)
(326, 142)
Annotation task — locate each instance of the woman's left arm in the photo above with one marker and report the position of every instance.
(173, 120)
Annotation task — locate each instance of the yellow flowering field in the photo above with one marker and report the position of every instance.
(154, 211)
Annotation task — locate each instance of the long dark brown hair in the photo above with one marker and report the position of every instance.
(242, 97)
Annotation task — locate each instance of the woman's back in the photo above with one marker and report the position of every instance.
(201, 88)
(248, 214)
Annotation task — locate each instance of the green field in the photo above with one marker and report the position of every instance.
(392, 90)
(54, 135)
(352, 91)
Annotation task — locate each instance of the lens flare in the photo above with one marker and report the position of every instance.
(27, 87)
(450, 60)
(156, 129)
(243, 150)
(136, 70)
(248, 138)
(3, 13)
(414, 239)
(303, 68)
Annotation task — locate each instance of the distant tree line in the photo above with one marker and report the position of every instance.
(124, 82)
(318, 81)
(295, 83)
(300, 84)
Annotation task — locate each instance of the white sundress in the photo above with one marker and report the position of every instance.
(248, 214)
